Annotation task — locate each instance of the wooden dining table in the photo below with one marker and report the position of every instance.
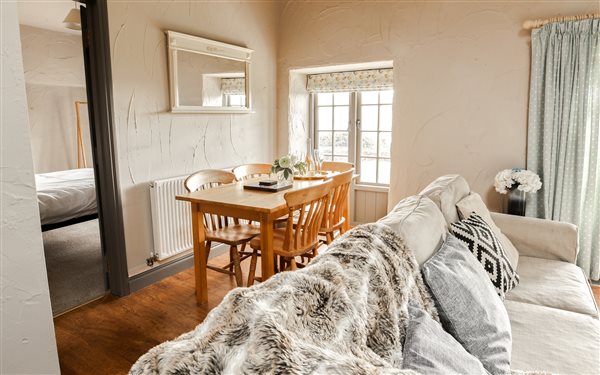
(234, 201)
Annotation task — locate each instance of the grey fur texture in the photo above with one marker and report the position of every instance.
(345, 313)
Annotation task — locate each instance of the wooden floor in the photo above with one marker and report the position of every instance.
(109, 335)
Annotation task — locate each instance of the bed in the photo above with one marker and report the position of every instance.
(66, 197)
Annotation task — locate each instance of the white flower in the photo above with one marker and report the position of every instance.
(524, 180)
(285, 162)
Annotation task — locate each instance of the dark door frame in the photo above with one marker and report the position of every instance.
(96, 55)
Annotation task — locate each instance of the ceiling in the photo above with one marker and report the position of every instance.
(45, 14)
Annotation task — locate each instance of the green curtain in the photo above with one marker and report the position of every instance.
(563, 132)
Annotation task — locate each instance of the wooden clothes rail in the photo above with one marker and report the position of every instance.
(81, 162)
(534, 24)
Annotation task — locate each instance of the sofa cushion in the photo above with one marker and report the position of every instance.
(482, 242)
(428, 349)
(555, 284)
(445, 192)
(468, 306)
(473, 203)
(419, 221)
(558, 341)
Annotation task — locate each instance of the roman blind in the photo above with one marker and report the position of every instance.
(233, 86)
(360, 80)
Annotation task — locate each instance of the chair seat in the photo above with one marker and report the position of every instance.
(278, 240)
(233, 235)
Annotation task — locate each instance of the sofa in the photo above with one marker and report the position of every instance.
(553, 315)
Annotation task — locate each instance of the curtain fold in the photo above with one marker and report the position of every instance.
(563, 131)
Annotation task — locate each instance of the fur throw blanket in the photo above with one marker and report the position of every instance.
(345, 313)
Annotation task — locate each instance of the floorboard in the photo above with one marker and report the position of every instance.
(108, 335)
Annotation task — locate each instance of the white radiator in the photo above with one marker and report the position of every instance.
(171, 219)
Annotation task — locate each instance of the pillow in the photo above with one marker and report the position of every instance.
(473, 203)
(468, 306)
(481, 241)
(419, 221)
(428, 349)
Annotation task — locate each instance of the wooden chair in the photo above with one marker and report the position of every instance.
(333, 219)
(247, 171)
(336, 166)
(301, 234)
(223, 229)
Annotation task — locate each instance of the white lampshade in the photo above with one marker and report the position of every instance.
(73, 20)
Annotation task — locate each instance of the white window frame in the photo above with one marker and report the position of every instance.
(354, 144)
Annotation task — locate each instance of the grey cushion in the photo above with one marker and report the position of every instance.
(469, 308)
(428, 349)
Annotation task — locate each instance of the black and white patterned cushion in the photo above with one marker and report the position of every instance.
(481, 241)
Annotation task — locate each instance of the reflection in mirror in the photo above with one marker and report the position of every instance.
(208, 76)
(210, 81)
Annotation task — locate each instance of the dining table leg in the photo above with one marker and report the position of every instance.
(266, 247)
(199, 254)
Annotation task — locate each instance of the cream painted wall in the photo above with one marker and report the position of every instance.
(55, 79)
(153, 143)
(27, 340)
(461, 72)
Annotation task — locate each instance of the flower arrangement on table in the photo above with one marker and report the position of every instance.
(517, 178)
(287, 166)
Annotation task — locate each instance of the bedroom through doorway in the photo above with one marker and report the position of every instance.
(53, 59)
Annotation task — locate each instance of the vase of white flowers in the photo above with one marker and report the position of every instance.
(516, 183)
(286, 166)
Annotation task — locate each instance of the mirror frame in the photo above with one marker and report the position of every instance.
(189, 43)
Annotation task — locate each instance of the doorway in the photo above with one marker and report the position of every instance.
(67, 65)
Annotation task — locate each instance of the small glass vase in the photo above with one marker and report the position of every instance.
(517, 200)
(281, 176)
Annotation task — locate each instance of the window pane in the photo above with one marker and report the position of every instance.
(386, 97)
(341, 158)
(384, 171)
(325, 99)
(325, 141)
(341, 118)
(325, 118)
(340, 143)
(385, 141)
(368, 144)
(327, 157)
(385, 117)
(369, 97)
(368, 170)
(341, 98)
(368, 117)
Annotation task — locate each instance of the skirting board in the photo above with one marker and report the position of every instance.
(163, 271)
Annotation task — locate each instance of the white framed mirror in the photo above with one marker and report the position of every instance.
(206, 76)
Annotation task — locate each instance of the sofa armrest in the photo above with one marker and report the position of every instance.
(540, 238)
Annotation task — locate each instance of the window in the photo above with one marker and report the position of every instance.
(234, 100)
(356, 127)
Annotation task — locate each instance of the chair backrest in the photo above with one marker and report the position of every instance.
(247, 171)
(207, 179)
(310, 203)
(336, 166)
(338, 200)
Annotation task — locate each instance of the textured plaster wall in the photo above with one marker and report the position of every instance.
(55, 79)
(153, 143)
(461, 78)
(27, 344)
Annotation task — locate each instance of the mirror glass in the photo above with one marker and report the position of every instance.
(210, 81)
(207, 76)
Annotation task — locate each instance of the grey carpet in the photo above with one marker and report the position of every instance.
(74, 264)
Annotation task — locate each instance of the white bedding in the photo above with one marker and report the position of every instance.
(65, 195)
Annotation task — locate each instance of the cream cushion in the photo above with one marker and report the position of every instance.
(445, 192)
(558, 341)
(473, 203)
(420, 223)
(555, 284)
